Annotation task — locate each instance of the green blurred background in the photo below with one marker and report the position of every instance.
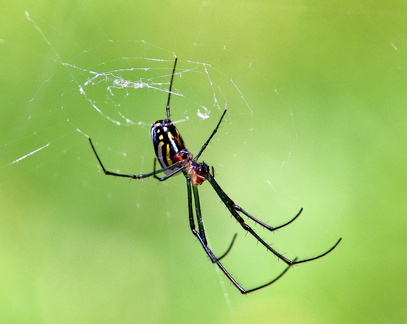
(316, 120)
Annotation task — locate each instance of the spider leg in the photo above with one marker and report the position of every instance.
(134, 176)
(175, 166)
(167, 107)
(212, 135)
(270, 228)
(233, 208)
(198, 213)
(200, 235)
(240, 287)
(271, 282)
(229, 248)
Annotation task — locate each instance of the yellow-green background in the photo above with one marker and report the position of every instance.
(326, 81)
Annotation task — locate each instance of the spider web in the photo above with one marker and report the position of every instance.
(315, 94)
(109, 96)
(113, 91)
(108, 93)
(112, 88)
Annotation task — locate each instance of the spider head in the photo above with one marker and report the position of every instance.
(198, 172)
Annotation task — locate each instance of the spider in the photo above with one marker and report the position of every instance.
(175, 158)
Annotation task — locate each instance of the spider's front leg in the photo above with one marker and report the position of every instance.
(201, 236)
(234, 209)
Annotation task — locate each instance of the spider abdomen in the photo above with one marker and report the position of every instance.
(168, 144)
